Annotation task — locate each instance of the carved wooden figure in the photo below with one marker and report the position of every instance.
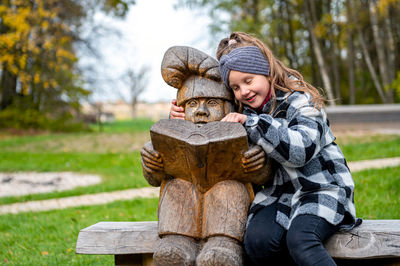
(205, 168)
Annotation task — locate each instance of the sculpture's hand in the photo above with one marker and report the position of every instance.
(176, 112)
(253, 159)
(151, 159)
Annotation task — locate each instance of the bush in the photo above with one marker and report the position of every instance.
(14, 118)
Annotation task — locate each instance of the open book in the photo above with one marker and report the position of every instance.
(202, 154)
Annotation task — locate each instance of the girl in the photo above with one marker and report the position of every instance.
(311, 196)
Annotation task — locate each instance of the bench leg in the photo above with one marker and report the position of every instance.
(134, 259)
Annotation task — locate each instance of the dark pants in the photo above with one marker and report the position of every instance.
(268, 243)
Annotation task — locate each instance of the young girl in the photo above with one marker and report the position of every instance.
(311, 196)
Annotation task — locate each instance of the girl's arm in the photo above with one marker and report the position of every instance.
(293, 141)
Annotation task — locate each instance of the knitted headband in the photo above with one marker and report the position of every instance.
(248, 59)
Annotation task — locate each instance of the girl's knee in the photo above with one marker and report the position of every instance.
(262, 244)
(298, 240)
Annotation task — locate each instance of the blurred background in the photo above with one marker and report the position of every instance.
(80, 87)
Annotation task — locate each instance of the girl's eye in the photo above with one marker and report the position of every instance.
(235, 88)
(248, 81)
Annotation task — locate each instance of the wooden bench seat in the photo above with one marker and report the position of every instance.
(375, 242)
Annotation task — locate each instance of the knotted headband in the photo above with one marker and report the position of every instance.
(248, 59)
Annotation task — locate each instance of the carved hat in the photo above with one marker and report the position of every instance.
(194, 73)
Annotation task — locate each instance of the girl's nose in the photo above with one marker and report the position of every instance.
(244, 90)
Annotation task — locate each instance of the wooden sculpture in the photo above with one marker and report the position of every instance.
(200, 165)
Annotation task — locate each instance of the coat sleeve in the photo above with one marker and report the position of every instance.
(294, 140)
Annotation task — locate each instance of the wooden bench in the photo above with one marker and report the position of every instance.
(375, 242)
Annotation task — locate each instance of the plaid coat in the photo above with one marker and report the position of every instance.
(312, 176)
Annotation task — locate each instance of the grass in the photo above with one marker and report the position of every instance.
(372, 147)
(113, 154)
(377, 193)
(49, 238)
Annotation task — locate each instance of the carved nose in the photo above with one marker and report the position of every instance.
(202, 110)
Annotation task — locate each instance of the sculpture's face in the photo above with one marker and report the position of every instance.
(204, 110)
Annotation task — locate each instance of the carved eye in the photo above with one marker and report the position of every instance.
(212, 102)
(192, 103)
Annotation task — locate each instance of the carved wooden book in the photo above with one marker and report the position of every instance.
(202, 154)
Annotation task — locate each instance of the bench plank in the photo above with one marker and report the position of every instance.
(372, 239)
(118, 238)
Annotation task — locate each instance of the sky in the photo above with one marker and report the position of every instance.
(150, 28)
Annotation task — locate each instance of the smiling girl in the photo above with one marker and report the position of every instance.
(311, 196)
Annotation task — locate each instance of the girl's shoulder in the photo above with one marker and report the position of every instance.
(299, 98)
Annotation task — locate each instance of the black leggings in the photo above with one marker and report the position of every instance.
(268, 243)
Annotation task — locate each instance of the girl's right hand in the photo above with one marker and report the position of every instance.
(176, 112)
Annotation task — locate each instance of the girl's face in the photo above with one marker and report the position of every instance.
(249, 89)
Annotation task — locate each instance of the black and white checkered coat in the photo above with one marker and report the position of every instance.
(312, 176)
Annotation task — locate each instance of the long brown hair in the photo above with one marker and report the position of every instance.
(281, 76)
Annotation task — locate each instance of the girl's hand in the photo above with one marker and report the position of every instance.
(176, 112)
(253, 159)
(235, 117)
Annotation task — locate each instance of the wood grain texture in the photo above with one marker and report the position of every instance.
(206, 154)
(118, 238)
(179, 209)
(372, 239)
(203, 155)
(194, 73)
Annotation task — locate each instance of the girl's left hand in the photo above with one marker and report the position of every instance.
(235, 117)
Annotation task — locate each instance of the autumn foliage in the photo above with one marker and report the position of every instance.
(38, 57)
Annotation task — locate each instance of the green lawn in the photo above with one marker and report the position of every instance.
(113, 154)
(49, 238)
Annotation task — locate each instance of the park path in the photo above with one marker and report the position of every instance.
(147, 192)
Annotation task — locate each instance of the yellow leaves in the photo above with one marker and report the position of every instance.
(384, 5)
(320, 30)
(62, 53)
(36, 78)
(22, 61)
(45, 24)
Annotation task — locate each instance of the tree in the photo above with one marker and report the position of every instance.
(38, 55)
(340, 45)
(137, 82)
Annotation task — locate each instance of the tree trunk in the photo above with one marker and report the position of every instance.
(380, 49)
(350, 56)
(390, 48)
(370, 66)
(8, 88)
(391, 52)
(291, 36)
(318, 54)
(336, 59)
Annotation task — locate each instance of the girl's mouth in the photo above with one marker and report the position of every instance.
(251, 99)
